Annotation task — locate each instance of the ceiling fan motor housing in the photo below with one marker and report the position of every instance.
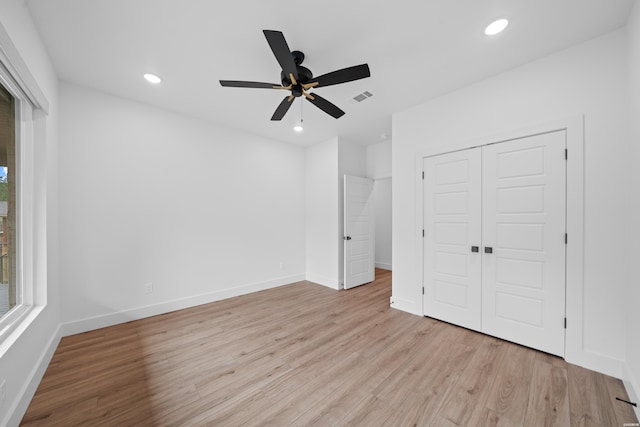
(297, 56)
(304, 74)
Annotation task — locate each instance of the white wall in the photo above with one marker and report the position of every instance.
(382, 195)
(587, 79)
(379, 169)
(201, 211)
(322, 215)
(632, 373)
(23, 364)
(379, 160)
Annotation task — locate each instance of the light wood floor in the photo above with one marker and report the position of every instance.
(305, 355)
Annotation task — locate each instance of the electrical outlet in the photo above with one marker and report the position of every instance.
(281, 265)
(3, 393)
(148, 288)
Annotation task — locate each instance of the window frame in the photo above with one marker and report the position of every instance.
(30, 105)
(24, 287)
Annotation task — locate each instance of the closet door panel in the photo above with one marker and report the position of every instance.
(523, 216)
(452, 209)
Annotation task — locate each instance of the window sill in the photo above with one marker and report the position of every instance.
(15, 323)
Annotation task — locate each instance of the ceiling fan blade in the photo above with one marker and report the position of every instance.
(281, 50)
(257, 85)
(325, 105)
(282, 108)
(344, 75)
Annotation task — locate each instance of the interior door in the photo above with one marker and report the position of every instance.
(359, 229)
(452, 261)
(523, 270)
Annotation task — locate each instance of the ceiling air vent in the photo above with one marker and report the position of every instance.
(362, 96)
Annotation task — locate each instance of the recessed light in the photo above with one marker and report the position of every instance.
(496, 27)
(298, 127)
(152, 78)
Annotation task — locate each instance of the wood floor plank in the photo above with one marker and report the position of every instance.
(469, 392)
(606, 402)
(369, 412)
(508, 396)
(622, 411)
(548, 396)
(584, 407)
(302, 355)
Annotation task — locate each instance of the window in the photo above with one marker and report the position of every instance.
(24, 134)
(8, 285)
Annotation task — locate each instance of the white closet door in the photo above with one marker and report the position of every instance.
(523, 214)
(452, 208)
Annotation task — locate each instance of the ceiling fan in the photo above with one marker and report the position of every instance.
(299, 79)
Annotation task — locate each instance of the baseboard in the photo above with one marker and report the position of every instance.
(405, 305)
(103, 321)
(595, 361)
(18, 410)
(384, 265)
(632, 386)
(325, 281)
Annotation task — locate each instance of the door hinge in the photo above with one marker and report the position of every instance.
(565, 323)
(422, 174)
(566, 154)
(423, 290)
(423, 232)
(566, 238)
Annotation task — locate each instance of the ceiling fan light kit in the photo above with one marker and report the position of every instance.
(299, 80)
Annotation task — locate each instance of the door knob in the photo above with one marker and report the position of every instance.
(346, 238)
(475, 249)
(488, 250)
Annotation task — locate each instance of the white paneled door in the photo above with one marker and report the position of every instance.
(494, 245)
(359, 229)
(452, 261)
(523, 213)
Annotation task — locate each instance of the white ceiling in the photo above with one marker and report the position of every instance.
(416, 50)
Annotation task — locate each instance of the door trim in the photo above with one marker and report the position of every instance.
(575, 351)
